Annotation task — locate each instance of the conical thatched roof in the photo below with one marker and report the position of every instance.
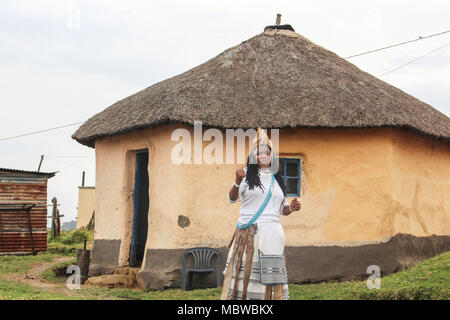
(276, 79)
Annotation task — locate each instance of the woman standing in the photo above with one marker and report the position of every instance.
(255, 267)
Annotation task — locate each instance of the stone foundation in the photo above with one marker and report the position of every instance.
(305, 264)
(105, 257)
(310, 264)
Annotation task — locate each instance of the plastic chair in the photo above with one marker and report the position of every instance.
(202, 264)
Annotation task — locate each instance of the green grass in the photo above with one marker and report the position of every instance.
(68, 242)
(131, 294)
(427, 280)
(135, 294)
(11, 290)
(71, 237)
(51, 274)
(65, 245)
(21, 264)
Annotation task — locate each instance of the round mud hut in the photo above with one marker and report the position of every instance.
(369, 163)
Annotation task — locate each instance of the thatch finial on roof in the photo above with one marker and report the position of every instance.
(261, 138)
(278, 21)
(277, 26)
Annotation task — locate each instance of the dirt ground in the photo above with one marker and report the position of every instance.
(32, 277)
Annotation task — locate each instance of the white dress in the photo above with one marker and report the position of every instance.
(269, 238)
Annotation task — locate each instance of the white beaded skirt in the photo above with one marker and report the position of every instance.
(267, 238)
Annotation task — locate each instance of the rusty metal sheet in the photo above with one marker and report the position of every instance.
(15, 235)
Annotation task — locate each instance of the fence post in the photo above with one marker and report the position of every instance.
(54, 217)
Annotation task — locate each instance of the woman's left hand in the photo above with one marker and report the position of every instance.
(295, 205)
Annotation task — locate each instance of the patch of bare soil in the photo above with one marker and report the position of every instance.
(33, 279)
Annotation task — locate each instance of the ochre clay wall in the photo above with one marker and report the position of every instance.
(421, 185)
(342, 200)
(359, 186)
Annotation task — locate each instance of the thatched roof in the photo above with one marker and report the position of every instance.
(277, 79)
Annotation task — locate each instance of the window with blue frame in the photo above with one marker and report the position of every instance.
(290, 170)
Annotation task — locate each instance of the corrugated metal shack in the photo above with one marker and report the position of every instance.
(23, 211)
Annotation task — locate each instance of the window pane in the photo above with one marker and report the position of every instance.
(281, 167)
(292, 169)
(292, 186)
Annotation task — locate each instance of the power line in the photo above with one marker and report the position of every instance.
(398, 44)
(352, 56)
(70, 156)
(69, 164)
(45, 130)
(403, 65)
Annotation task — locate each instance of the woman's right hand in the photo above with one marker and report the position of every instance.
(240, 174)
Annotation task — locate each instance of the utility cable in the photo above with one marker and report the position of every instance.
(398, 44)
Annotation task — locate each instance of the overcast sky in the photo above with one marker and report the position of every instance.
(61, 61)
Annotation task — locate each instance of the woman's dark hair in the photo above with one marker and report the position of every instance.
(252, 177)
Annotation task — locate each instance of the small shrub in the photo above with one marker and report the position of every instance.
(72, 237)
(61, 249)
(77, 236)
(58, 272)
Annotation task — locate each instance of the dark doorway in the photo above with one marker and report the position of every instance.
(140, 214)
